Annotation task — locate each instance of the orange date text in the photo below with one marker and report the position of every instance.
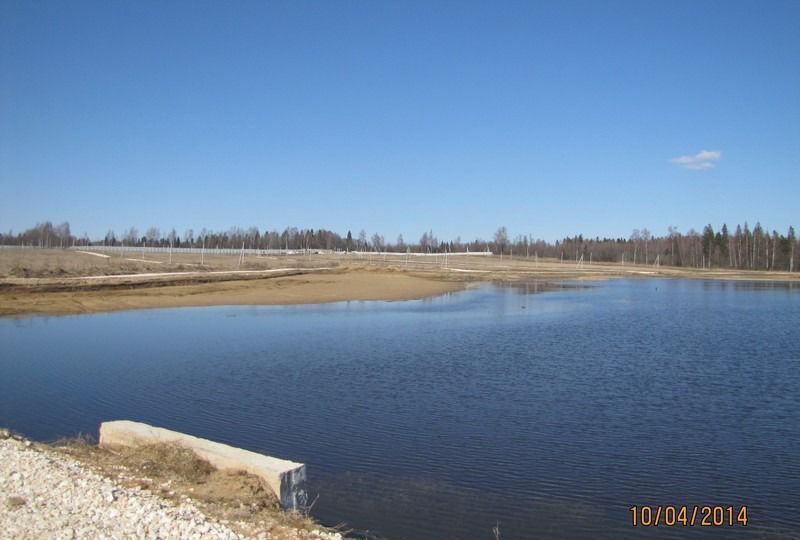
(688, 516)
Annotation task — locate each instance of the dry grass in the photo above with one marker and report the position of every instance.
(240, 500)
(62, 263)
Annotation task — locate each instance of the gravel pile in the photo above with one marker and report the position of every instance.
(47, 495)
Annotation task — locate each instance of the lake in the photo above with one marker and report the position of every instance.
(548, 413)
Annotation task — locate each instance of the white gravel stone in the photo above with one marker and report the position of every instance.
(65, 500)
(47, 495)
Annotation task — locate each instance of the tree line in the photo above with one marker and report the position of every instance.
(747, 248)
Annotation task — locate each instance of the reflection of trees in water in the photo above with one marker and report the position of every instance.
(743, 285)
(535, 286)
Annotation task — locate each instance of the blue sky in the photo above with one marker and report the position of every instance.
(549, 118)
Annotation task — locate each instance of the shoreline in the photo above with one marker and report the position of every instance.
(61, 297)
(288, 285)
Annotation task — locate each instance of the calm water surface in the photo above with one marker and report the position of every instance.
(549, 413)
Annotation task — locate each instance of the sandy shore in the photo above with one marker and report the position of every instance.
(55, 282)
(67, 296)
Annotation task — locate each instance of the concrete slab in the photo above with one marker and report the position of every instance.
(286, 478)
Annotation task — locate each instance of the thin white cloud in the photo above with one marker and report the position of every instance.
(701, 161)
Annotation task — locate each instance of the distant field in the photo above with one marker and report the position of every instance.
(55, 263)
(66, 263)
